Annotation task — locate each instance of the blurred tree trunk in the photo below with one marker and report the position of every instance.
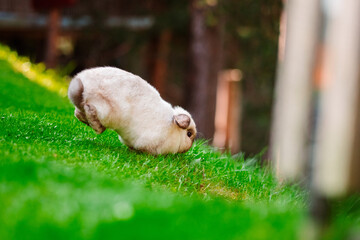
(52, 38)
(205, 63)
(159, 73)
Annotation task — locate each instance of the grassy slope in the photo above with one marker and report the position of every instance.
(59, 179)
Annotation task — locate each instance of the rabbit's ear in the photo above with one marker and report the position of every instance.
(182, 120)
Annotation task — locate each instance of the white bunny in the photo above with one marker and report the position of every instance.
(108, 97)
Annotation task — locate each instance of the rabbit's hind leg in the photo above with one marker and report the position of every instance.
(92, 119)
(81, 116)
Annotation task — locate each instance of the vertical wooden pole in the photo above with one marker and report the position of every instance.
(234, 113)
(338, 134)
(228, 111)
(221, 111)
(294, 89)
(52, 37)
(282, 34)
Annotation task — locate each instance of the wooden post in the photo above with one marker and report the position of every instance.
(228, 111)
(338, 151)
(294, 89)
(52, 38)
(282, 34)
(161, 61)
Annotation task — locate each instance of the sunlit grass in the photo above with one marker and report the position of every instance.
(59, 180)
(35, 72)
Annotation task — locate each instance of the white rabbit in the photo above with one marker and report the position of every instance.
(108, 97)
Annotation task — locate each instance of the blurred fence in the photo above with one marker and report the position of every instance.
(21, 15)
(51, 20)
(18, 6)
(316, 124)
(112, 7)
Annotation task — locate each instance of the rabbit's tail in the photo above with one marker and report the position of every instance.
(75, 93)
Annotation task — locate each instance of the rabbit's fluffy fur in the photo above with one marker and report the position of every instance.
(107, 97)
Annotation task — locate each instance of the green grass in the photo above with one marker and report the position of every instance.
(60, 180)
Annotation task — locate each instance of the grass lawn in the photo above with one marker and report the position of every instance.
(59, 180)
